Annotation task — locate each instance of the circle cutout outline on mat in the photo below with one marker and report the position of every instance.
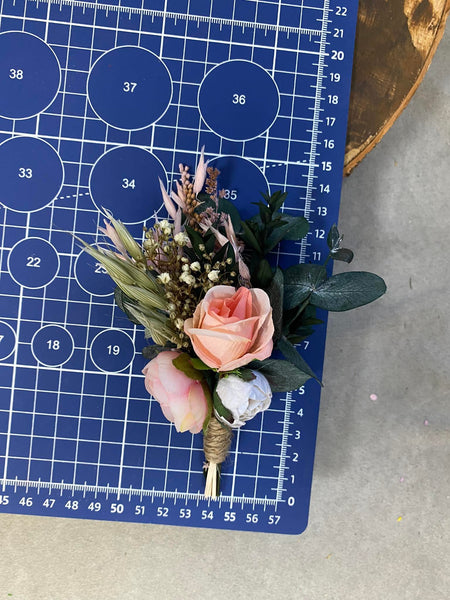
(241, 160)
(12, 333)
(23, 173)
(213, 75)
(34, 262)
(69, 338)
(78, 280)
(102, 207)
(155, 118)
(124, 335)
(44, 71)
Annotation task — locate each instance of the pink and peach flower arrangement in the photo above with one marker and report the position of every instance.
(216, 307)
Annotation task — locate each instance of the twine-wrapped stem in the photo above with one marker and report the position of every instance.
(216, 445)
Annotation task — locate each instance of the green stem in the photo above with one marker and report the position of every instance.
(300, 310)
(327, 260)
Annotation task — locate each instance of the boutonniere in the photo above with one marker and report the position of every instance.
(223, 319)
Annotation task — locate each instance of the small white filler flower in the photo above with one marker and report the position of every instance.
(244, 399)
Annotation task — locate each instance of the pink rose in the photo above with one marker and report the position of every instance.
(182, 399)
(231, 328)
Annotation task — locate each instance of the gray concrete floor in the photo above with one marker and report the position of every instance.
(379, 523)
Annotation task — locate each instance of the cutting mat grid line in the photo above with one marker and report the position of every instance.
(81, 426)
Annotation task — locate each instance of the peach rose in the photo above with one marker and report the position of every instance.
(182, 399)
(231, 328)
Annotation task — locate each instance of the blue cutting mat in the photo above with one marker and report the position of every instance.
(98, 100)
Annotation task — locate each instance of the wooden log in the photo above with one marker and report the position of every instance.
(395, 42)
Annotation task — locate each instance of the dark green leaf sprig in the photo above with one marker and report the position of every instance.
(298, 291)
(263, 232)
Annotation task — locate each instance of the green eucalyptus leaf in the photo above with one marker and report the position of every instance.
(291, 354)
(282, 375)
(333, 238)
(300, 281)
(343, 254)
(346, 291)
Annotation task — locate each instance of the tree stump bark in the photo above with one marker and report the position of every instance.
(395, 42)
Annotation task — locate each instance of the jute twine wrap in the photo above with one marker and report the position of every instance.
(216, 445)
(217, 442)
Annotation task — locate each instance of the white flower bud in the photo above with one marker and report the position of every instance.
(187, 278)
(181, 239)
(213, 275)
(164, 277)
(244, 399)
(195, 266)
